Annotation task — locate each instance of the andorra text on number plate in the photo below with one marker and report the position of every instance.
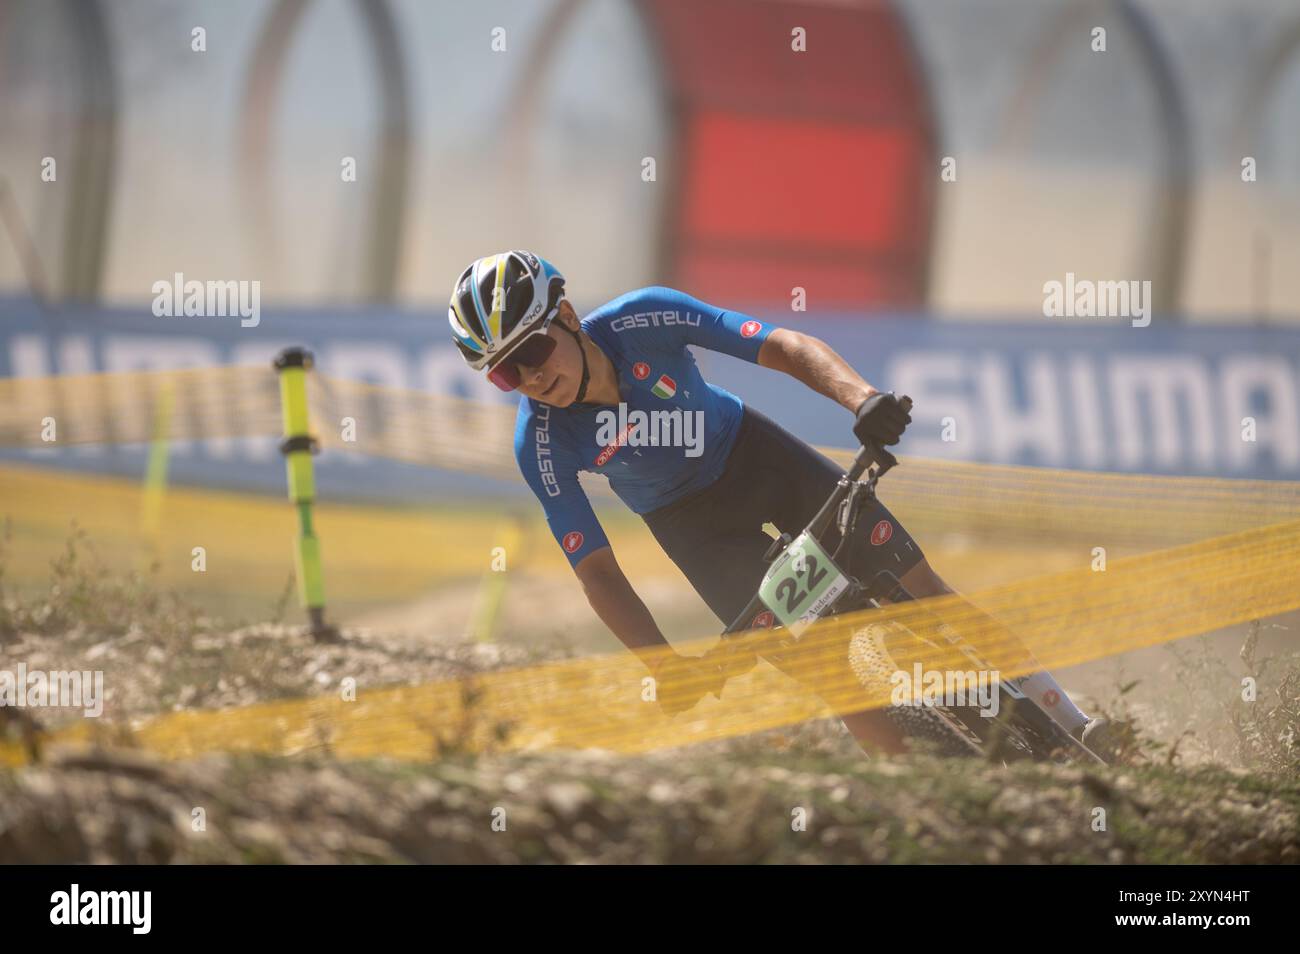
(801, 584)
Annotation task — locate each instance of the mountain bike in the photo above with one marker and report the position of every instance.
(808, 579)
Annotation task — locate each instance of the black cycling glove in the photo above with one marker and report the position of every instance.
(881, 419)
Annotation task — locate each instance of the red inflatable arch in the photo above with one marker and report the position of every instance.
(811, 169)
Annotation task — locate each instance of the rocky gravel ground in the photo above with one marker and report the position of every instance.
(206, 666)
(681, 807)
(801, 795)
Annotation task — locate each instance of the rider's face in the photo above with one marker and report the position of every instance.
(555, 380)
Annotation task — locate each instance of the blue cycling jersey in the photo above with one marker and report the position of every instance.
(670, 434)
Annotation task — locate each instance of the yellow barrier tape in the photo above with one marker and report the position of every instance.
(1065, 619)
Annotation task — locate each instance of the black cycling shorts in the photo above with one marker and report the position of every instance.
(715, 535)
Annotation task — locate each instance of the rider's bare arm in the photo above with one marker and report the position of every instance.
(816, 364)
(616, 603)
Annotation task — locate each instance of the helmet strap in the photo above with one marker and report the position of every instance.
(586, 373)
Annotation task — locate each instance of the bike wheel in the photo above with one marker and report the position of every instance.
(873, 664)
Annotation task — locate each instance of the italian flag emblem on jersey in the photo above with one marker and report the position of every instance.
(665, 387)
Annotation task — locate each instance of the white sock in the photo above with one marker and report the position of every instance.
(1044, 690)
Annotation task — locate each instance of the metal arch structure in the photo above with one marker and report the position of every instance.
(1167, 241)
(524, 107)
(388, 216)
(1260, 86)
(94, 152)
(1256, 98)
(867, 241)
(382, 269)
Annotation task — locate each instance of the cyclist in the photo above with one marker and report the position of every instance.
(720, 472)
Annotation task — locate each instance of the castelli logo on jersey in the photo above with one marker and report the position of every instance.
(641, 370)
(572, 541)
(763, 620)
(1051, 697)
(750, 328)
(881, 533)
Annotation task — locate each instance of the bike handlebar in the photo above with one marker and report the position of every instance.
(872, 452)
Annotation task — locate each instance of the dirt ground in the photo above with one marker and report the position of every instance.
(742, 806)
(803, 793)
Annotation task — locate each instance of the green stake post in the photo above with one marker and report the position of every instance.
(155, 475)
(298, 447)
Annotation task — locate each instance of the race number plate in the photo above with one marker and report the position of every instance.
(801, 584)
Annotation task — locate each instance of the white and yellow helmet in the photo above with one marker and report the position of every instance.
(500, 299)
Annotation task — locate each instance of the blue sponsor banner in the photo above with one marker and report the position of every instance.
(1082, 394)
(1090, 394)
